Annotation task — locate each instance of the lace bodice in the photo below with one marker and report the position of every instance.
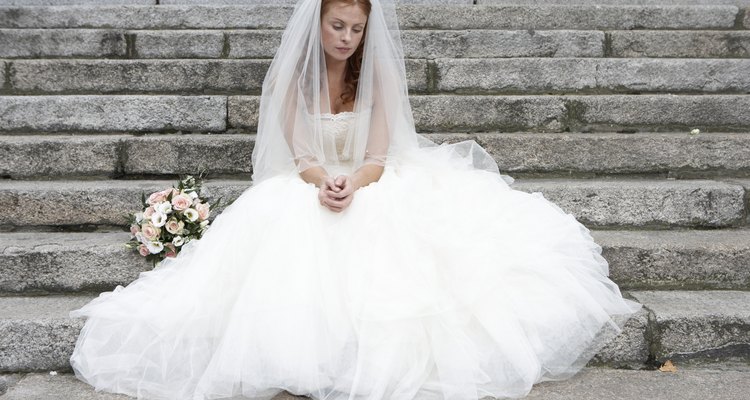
(336, 128)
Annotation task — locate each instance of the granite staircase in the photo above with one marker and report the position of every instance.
(591, 104)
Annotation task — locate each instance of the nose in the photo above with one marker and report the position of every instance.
(347, 36)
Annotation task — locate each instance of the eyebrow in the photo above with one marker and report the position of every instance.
(343, 22)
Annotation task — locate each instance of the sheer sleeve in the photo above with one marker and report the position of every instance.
(378, 138)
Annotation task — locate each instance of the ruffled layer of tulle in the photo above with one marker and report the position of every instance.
(438, 282)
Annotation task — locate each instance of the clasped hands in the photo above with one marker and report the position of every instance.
(336, 193)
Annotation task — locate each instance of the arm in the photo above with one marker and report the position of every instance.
(315, 175)
(366, 175)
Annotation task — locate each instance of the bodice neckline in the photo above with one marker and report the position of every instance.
(337, 116)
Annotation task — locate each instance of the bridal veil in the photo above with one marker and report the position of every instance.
(295, 91)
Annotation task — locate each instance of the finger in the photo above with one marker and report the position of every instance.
(331, 184)
(337, 195)
(340, 180)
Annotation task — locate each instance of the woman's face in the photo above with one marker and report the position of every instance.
(342, 28)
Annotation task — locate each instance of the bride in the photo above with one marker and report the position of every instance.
(365, 262)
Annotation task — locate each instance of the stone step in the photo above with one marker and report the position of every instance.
(37, 334)
(596, 2)
(589, 384)
(691, 44)
(596, 203)
(49, 262)
(260, 44)
(240, 43)
(410, 17)
(674, 155)
(432, 113)
(473, 76)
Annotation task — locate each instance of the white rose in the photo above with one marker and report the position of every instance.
(139, 237)
(164, 207)
(158, 219)
(193, 195)
(178, 241)
(191, 214)
(154, 247)
(138, 217)
(204, 224)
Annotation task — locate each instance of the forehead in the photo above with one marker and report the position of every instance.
(349, 13)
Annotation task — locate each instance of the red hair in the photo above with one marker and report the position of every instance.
(354, 62)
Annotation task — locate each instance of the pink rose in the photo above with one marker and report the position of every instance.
(147, 213)
(174, 227)
(203, 211)
(156, 197)
(181, 202)
(171, 250)
(134, 229)
(143, 250)
(150, 232)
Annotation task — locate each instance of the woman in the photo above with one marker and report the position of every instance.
(365, 262)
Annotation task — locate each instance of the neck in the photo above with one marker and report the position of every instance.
(336, 71)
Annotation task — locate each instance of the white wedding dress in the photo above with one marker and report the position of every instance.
(438, 282)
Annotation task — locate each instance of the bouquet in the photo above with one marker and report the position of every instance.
(170, 219)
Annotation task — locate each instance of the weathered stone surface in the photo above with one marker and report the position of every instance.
(8, 380)
(112, 113)
(589, 384)
(410, 17)
(494, 43)
(178, 44)
(658, 112)
(554, 154)
(76, 2)
(138, 76)
(108, 202)
(545, 75)
(618, 2)
(465, 2)
(629, 349)
(505, 76)
(594, 202)
(70, 261)
(242, 112)
(185, 154)
(253, 43)
(488, 113)
(139, 17)
(644, 203)
(601, 383)
(688, 324)
(36, 332)
(715, 259)
(451, 43)
(159, 76)
(671, 154)
(685, 44)
(47, 157)
(43, 386)
(567, 17)
(61, 43)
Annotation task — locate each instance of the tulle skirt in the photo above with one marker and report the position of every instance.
(439, 281)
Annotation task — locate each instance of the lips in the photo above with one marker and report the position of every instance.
(343, 49)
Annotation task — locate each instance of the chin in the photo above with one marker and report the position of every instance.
(339, 56)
